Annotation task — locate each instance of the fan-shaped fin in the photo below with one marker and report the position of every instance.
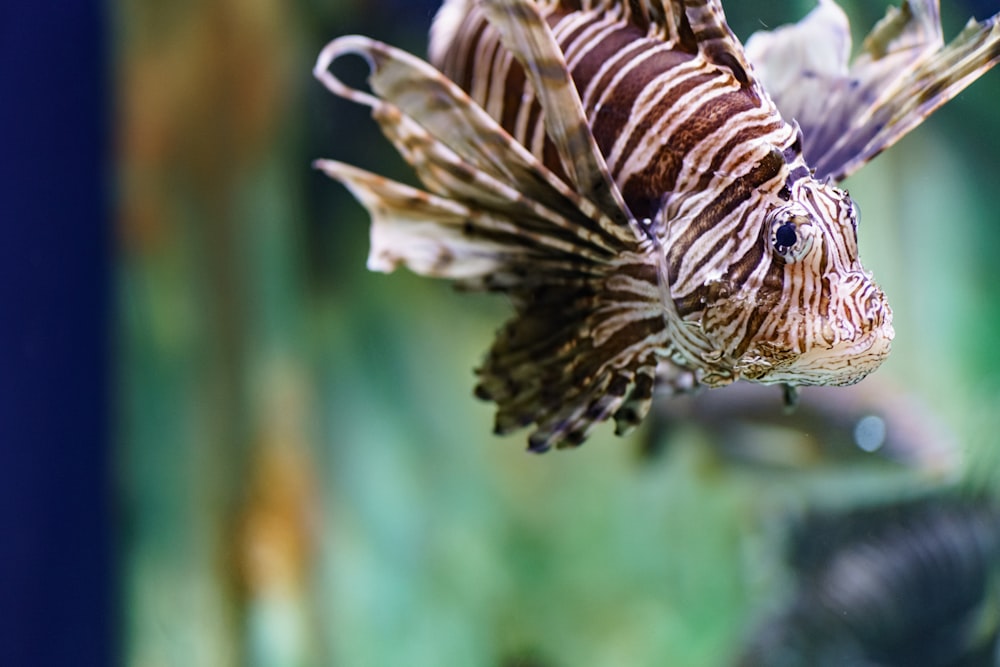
(588, 293)
(527, 36)
(849, 113)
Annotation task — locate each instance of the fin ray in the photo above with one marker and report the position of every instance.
(850, 112)
(495, 218)
(527, 36)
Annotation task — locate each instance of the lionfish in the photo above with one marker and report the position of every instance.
(658, 202)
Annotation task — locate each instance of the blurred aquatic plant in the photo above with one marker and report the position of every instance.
(210, 363)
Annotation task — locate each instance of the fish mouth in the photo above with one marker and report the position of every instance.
(841, 363)
(839, 348)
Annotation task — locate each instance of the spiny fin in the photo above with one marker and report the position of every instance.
(661, 18)
(716, 41)
(590, 318)
(457, 150)
(527, 36)
(417, 229)
(576, 354)
(849, 113)
(691, 25)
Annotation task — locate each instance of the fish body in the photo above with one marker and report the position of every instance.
(622, 173)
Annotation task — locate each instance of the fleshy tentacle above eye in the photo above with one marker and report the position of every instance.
(849, 113)
(590, 319)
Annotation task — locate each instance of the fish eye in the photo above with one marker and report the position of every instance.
(785, 237)
(790, 237)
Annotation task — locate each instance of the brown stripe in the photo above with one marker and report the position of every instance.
(534, 117)
(491, 51)
(568, 40)
(625, 55)
(618, 108)
(461, 61)
(731, 197)
(644, 190)
(725, 58)
(633, 86)
(599, 52)
(703, 225)
(710, 32)
(513, 96)
(551, 71)
(772, 285)
(743, 135)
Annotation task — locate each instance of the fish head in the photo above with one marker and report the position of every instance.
(815, 315)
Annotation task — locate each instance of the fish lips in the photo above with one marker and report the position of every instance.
(845, 361)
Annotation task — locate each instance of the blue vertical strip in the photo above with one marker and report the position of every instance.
(56, 592)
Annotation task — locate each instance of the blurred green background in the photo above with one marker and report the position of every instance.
(304, 476)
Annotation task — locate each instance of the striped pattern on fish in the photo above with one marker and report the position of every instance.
(617, 168)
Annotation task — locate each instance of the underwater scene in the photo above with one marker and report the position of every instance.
(311, 471)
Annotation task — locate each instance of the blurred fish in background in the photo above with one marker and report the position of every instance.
(305, 479)
(913, 582)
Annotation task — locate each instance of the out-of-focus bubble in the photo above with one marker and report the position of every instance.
(869, 433)
(870, 423)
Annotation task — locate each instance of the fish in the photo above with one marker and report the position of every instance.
(907, 581)
(659, 204)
